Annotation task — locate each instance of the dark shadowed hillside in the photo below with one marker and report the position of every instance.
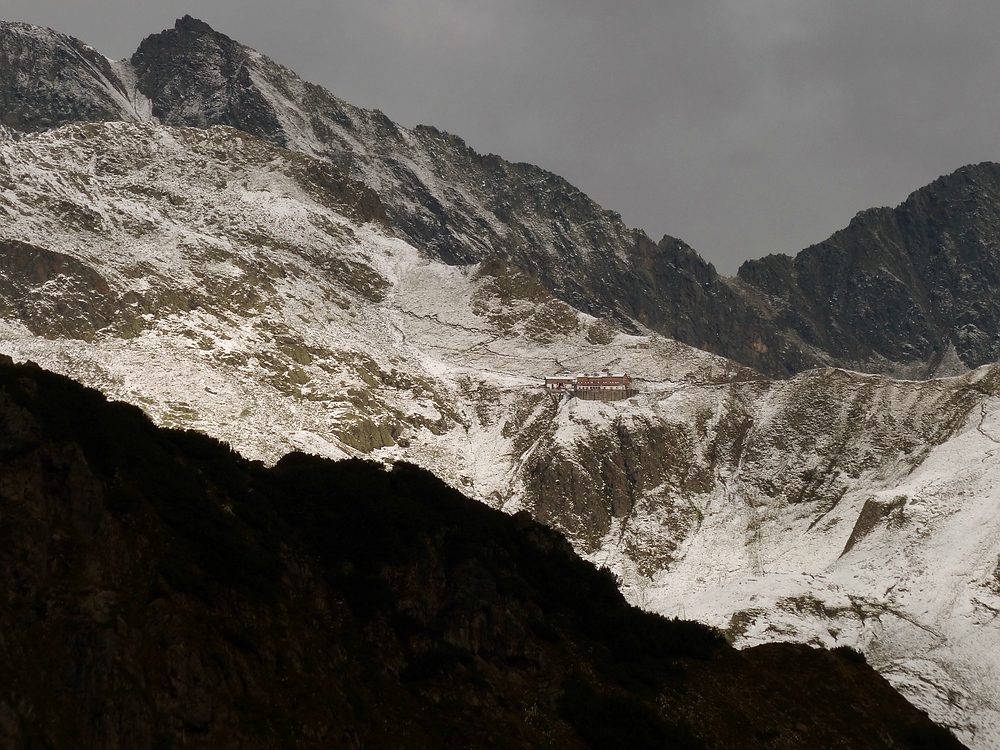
(161, 591)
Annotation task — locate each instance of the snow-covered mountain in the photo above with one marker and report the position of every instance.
(453, 204)
(212, 251)
(230, 286)
(313, 298)
(927, 270)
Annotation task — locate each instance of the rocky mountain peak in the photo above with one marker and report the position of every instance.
(190, 24)
(197, 77)
(920, 271)
(913, 285)
(48, 79)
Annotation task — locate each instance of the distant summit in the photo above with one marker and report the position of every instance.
(915, 284)
(194, 25)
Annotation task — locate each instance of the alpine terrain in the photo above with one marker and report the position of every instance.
(200, 233)
(161, 591)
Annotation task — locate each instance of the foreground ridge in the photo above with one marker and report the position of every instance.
(161, 589)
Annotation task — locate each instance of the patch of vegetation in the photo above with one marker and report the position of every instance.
(366, 435)
(329, 187)
(601, 333)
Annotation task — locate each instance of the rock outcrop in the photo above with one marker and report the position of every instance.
(49, 79)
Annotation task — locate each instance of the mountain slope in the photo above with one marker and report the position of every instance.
(886, 295)
(161, 590)
(447, 200)
(224, 253)
(208, 277)
(832, 508)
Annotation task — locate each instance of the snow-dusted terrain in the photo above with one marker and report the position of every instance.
(233, 287)
(898, 557)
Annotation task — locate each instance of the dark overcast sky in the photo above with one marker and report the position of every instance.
(744, 127)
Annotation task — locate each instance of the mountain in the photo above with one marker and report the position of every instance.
(915, 284)
(453, 203)
(160, 590)
(447, 200)
(302, 299)
(207, 277)
(462, 207)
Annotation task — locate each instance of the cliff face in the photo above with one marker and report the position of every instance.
(196, 77)
(161, 590)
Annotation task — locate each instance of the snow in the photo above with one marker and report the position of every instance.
(919, 594)
(256, 327)
(132, 99)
